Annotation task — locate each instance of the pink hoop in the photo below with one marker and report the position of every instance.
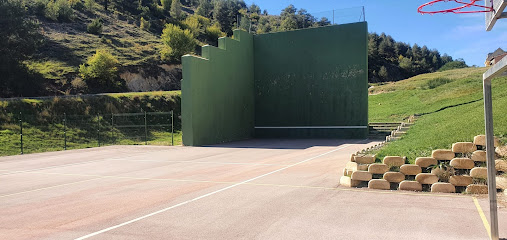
(456, 10)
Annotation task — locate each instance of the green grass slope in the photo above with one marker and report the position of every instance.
(43, 126)
(451, 108)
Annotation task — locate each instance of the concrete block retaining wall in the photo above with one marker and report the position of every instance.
(462, 169)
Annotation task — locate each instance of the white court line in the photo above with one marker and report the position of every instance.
(209, 194)
(190, 161)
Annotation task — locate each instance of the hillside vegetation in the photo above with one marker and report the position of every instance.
(56, 47)
(450, 106)
(88, 121)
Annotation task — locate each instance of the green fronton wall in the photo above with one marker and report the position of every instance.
(309, 78)
(313, 77)
(218, 92)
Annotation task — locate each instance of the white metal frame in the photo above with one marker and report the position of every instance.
(492, 17)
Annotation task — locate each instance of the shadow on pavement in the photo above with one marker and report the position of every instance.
(290, 143)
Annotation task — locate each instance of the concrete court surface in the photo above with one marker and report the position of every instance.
(255, 189)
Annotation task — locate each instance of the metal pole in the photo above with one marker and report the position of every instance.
(98, 129)
(172, 127)
(64, 131)
(490, 153)
(21, 131)
(333, 16)
(145, 129)
(112, 128)
(364, 15)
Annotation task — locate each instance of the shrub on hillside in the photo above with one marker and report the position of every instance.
(101, 72)
(437, 82)
(89, 5)
(453, 65)
(177, 42)
(59, 10)
(144, 25)
(95, 27)
(166, 4)
(214, 31)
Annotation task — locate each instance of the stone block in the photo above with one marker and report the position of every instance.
(440, 187)
(348, 182)
(363, 167)
(410, 169)
(442, 154)
(501, 165)
(460, 180)
(364, 159)
(352, 166)
(481, 140)
(410, 186)
(479, 156)
(477, 189)
(361, 176)
(479, 172)
(394, 161)
(352, 157)
(379, 184)
(501, 151)
(425, 162)
(464, 147)
(501, 182)
(378, 168)
(347, 172)
(462, 163)
(395, 177)
(426, 178)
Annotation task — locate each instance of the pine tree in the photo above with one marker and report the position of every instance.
(176, 9)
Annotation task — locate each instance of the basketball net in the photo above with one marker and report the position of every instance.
(464, 8)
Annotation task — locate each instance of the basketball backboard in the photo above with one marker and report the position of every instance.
(492, 17)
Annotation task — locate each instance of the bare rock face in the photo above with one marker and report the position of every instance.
(152, 78)
(442, 154)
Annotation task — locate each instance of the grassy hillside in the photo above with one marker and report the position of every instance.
(450, 106)
(88, 121)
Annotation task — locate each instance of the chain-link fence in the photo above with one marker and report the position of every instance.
(21, 134)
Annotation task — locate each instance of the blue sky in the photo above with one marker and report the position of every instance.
(459, 35)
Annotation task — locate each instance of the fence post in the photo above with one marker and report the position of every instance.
(98, 129)
(112, 128)
(21, 131)
(64, 131)
(172, 127)
(145, 129)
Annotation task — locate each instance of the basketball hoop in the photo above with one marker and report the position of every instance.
(460, 9)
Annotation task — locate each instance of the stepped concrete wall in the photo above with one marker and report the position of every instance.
(218, 92)
(312, 81)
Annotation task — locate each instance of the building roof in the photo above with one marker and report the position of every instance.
(496, 53)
